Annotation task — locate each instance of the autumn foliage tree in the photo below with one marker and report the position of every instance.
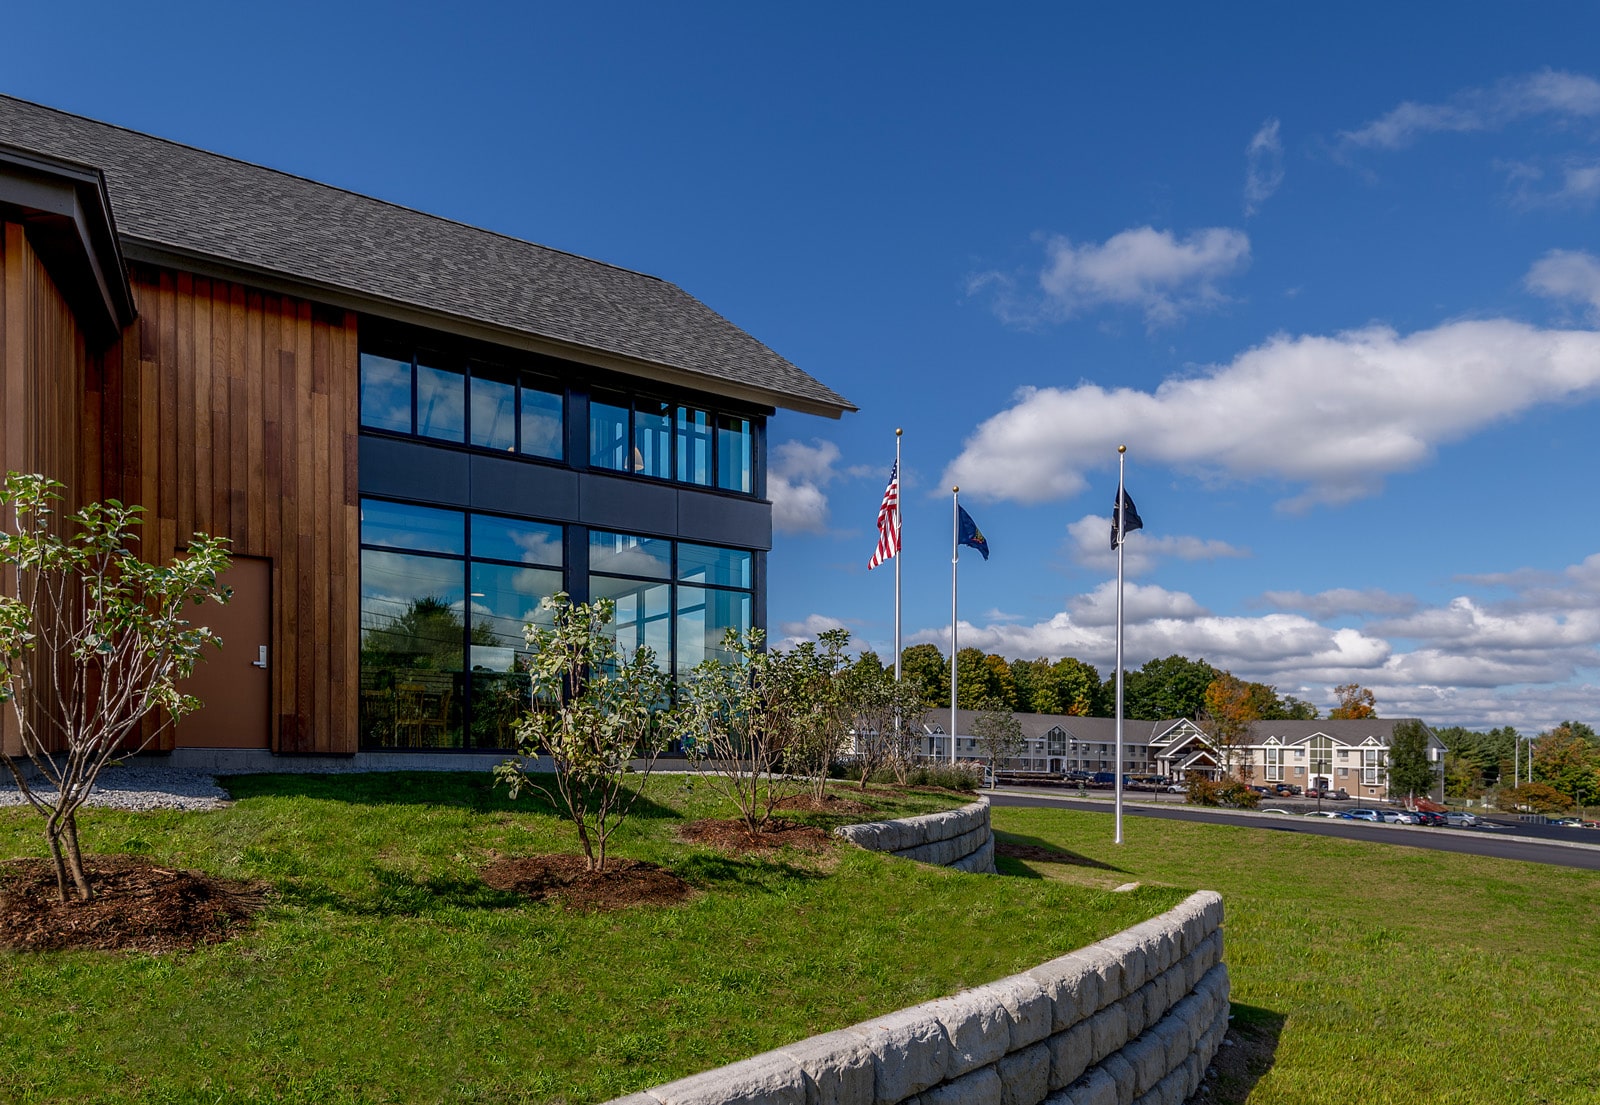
(1355, 702)
(1230, 711)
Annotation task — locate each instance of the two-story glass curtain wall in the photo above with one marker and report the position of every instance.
(669, 441)
(465, 402)
(678, 598)
(444, 597)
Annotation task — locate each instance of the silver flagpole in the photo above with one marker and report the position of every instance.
(1122, 451)
(898, 553)
(955, 557)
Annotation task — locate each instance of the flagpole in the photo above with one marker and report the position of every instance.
(1122, 451)
(955, 557)
(898, 554)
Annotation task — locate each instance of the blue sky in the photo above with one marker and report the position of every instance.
(1332, 275)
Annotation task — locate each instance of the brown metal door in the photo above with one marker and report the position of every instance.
(234, 682)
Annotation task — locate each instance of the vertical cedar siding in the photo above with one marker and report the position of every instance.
(44, 370)
(233, 412)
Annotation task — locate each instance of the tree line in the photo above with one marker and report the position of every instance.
(1171, 687)
(1565, 764)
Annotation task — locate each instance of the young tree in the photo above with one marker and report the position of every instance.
(885, 713)
(823, 712)
(1229, 712)
(1355, 701)
(998, 732)
(1410, 772)
(594, 712)
(737, 720)
(92, 641)
(976, 680)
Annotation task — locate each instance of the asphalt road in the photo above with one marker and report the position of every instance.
(1498, 842)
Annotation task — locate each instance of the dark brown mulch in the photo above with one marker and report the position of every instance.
(831, 803)
(730, 835)
(138, 906)
(565, 878)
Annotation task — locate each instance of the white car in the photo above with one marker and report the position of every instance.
(1394, 817)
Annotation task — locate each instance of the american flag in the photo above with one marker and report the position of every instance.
(888, 521)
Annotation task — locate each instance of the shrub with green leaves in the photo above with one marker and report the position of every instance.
(92, 642)
(595, 711)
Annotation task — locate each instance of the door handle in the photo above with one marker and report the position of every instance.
(261, 662)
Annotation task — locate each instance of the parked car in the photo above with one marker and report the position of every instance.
(1361, 815)
(1103, 779)
(1076, 776)
(1392, 817)
(1458, 820)
(1177, 788)
(1324, 813)
(1430, 817)
(1273, 809)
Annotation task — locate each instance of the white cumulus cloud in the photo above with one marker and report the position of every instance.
(1546, 93)
(1568, 275)
(1334, 415)
(1263, 173)
(795, 483)
(1342, 601)
(1164, 276)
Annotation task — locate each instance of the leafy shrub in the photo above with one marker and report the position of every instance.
(1229, 792)
(1532, 798)
(958, 777)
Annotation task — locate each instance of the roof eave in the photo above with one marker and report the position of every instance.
(167, 255)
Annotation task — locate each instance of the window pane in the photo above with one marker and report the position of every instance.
(516, 540)
(608, 436)
(694, 446)
(644, 614)
(652, 431)
(704, 616)
(419, 528)
(542, 424)
(709, 564)
(733, 453)
(441, 403)
(625, 554)
(385, 393)
(504, 599)
(412, 638)
(494, 408)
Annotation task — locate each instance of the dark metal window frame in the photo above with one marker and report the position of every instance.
(466, 559)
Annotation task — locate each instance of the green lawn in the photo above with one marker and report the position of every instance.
(384, 970)
(1370, 973)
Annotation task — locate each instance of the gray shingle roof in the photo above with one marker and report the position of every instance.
(191, 202)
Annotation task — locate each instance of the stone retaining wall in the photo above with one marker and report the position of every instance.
(955, 838)
(1132, 1020)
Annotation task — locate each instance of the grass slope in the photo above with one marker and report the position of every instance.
(1373, 973)
(384, 970)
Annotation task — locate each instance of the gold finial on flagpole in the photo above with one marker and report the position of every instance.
(955, 490)
(898, 431)
(1122, 448)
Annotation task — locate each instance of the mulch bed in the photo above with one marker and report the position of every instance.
(831, 803)
(138, 906)
(730, 835)
(564, 878)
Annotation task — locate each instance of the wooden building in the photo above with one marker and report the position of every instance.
(409, 429)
